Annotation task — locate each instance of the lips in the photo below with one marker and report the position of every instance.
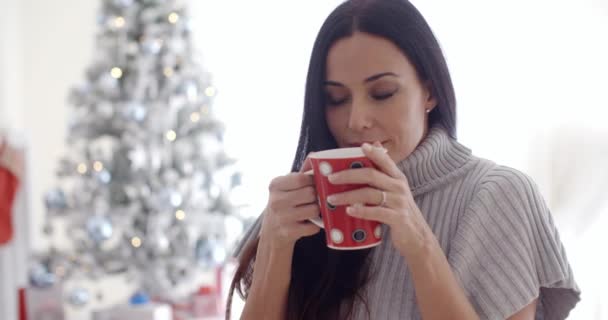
(358, 144)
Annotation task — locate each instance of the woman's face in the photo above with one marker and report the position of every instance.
(374, 94)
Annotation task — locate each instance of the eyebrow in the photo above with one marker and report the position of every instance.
(368, 79)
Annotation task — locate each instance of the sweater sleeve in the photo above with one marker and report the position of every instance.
(506, 251)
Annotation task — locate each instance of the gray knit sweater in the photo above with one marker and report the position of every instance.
(496, 232)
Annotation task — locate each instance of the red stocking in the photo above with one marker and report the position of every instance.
(8, 189)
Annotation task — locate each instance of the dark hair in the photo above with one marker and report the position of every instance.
(325, 283)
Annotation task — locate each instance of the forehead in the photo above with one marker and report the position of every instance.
(361, 55)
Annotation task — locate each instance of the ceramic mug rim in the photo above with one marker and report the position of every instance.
(338, 153)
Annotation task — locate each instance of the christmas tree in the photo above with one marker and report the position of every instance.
(145, 188)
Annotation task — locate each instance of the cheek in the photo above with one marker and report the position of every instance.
(406, 126)
(335, 120)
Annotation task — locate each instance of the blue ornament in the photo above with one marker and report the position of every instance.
(40, 276)
(135, 111)
(151, 46)
(99, 229)
(123, 3)
(79, 297)
(55, 200)
(139, 298)
(104, 176)
(170, 198)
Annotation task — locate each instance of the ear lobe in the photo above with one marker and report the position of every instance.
(430, 102)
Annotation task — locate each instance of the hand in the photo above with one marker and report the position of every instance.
(292, 201)
(390, 193)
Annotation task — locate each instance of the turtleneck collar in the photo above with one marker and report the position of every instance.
(438, 160)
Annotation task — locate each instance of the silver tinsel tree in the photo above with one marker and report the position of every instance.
(145, 187)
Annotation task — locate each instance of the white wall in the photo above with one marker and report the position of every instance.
(44, 47)
(11, 120)
(57, 46)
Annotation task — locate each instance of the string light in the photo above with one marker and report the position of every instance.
(136, 242)
(82, 168)
(98, 166)
(168, 72)
(116, 73)
(173, 17)
(180, 215)
(210, 91)
(195, 117)
(171, 135)
(119, 22)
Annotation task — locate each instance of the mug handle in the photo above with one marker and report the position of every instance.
(317, 220)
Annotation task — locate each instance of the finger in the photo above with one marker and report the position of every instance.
(301, 196)
(292, 181)
(378, 155)
(305, 212)
(375, 213)
(370, 176)
(371, 196)
(289, 199)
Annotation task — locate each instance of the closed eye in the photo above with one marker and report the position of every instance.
(384, 96)
(335, 102)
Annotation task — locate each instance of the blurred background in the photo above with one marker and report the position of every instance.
(531, 79)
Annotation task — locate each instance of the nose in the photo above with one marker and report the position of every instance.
(360, 116)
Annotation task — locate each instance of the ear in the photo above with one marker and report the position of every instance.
(430, 102)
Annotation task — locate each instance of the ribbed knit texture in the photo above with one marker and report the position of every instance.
(495, 229)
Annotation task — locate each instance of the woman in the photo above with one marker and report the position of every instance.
(465, 238)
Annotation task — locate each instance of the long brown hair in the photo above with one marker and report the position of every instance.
(325, 283)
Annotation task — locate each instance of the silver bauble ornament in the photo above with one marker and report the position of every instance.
(55, 200)
(79, 297)
(123, 3)
(169, 199)
(135, 111)
(103, 176)
(40, 276)
(99, 229)
(151, 46)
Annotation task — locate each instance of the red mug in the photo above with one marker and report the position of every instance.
(342, 231)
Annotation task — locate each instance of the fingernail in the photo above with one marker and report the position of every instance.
(350, 210)
(366, 146)
(331, 199)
